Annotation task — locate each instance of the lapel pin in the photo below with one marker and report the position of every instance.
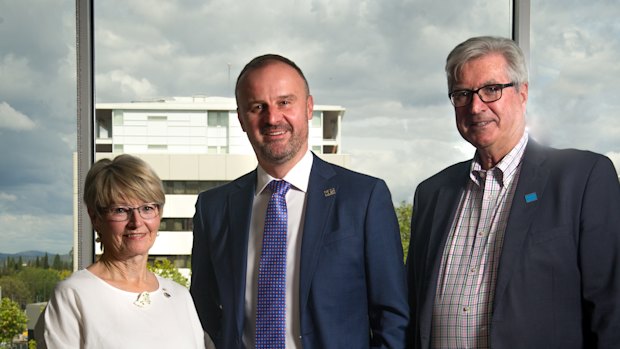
(329, 192)
(531, 197)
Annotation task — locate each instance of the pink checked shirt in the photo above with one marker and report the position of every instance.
(468, 272)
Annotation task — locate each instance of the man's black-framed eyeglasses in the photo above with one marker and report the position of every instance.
(487, 94)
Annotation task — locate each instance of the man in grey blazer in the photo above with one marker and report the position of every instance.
(345, 276)
(520, 246)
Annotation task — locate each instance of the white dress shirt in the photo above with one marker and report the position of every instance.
(298, 177)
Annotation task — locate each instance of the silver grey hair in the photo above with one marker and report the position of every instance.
(477, 47)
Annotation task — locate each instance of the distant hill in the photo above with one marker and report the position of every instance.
(32, 255)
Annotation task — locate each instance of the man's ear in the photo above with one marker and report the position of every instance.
(310, 106)
(240, 120)
(523, 92)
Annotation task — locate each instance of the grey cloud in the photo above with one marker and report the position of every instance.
(12, 119)
(43, 232)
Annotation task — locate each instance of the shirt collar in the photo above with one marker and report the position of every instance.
(298, 176)
(504, 171)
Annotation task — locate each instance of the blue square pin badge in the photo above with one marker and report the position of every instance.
(531, 197)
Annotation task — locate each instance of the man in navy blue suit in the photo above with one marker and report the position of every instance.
(520, 246)
(345, 276)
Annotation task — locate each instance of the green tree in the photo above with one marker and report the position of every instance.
(165, 268)
(10, 263)
(16, 290)
(57, 263)
(12, 321)
(20, 263)
(70, 262)
(40, 281)
(46, 261)
(65, 273)
(9, 266)
(403, 213)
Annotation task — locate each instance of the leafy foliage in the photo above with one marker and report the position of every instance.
(165, 268)
(57, 263)
(46, 262)
(403, 213)
(10, 265)
(16, 289)
(40, 281)
(12, 320)
(24, 280)
(63, 274)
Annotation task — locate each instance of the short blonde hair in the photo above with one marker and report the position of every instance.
(124, 178)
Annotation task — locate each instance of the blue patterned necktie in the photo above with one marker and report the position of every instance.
(271, 302)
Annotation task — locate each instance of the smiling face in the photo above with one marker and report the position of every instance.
(274, 108)
(124, 240)
(493, 128)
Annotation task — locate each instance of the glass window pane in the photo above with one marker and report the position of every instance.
(375, 70)
(316, 119)
(574, 75)
(38, 109)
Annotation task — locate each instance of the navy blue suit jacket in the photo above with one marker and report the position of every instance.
(352, 276)
(558, 283)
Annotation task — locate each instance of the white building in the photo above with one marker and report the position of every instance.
(194, 143)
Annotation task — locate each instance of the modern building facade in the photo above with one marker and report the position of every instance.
(194, 143)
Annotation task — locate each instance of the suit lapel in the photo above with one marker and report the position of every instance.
(322, 191)
(530, 188)
(239, 215)
(448, 198)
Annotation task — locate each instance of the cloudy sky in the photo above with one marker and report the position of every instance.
(382, 60)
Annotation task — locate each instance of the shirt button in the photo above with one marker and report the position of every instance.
(465, 309)
(472, 270)
(482, 233)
